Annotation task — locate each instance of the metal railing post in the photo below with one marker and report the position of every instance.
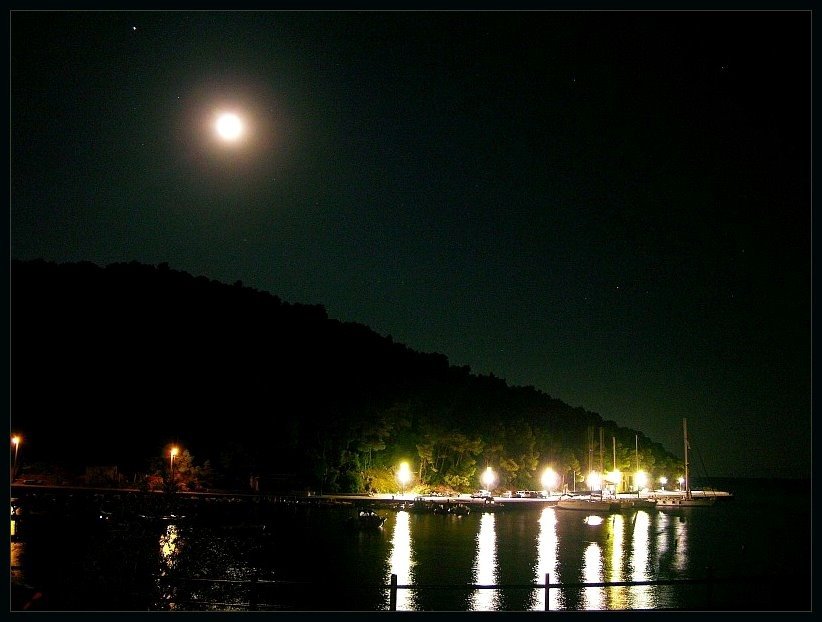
(547, 591)
(392, 603)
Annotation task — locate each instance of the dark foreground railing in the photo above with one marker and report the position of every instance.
(253, 589)
(547, 586)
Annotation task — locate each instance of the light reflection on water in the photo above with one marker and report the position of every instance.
(616, 594)
(640, 561)
(680, 544)
(401, 562)
(547, 560)
(315, 554)
(169, 553)
(169, 546)
(616, 548)
(593, 598)
(485, 566)
(17, 551)
(568, 548)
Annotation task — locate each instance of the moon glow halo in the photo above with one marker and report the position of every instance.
(229, 126)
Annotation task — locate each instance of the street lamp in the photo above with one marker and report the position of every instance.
(172, 452)
(640, 480)
(488, 478)
(404, 476)
(614, 478)
(662, 481)
(681, 481)
(549, 480)
(594, 481)
(16, 442)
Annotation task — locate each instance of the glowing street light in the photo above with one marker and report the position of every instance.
(549, 479)
(594, 481)
(404, 476)
(16, 440)
(662, 481)
(640, 480)
(681, 481)
(172, 452)
(488, 478)
(614, 478)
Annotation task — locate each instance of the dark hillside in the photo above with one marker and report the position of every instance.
(110, 364)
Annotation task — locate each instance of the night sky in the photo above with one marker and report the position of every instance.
(612, 207)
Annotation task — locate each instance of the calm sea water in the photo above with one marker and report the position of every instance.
(756, 547)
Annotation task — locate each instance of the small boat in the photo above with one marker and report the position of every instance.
(588, 505)
(674, 503)
(461, 510)
(419, 506)
(687, 499)
(493, 506)
(369, 518)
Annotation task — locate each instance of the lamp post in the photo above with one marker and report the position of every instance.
(681, 481)
(16, 442)
(488, 478)
(549, 480)
(172, 452)
(594, 481)
(640, 481)
(615, 479)
(404, 476)
(662, 481)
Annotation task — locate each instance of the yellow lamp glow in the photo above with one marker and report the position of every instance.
(172, 452)
(488, 478)
(640, 480)
(404, 475)
(16, 440)
(549, 479)
(613, 477)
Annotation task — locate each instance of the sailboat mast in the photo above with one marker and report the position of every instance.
(590, 448)
(685, 436)
(636, 450)
(602, 450)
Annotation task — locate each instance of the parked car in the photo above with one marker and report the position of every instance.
(481, 494)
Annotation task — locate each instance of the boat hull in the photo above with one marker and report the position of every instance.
(585, 505)
(637, 504)
(675, 503)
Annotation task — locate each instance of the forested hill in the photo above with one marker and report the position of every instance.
(109, 365)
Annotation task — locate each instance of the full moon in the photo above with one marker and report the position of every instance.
(229, 126)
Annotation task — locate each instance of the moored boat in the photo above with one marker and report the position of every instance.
(670, 502)
(687, 499)
(588, 505)
(460, 509)
(419, 505)
(637, 503)
(370, 519)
